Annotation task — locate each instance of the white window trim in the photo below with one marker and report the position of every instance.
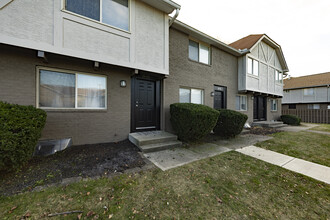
(247, 67)
(190, 88)
(76, 108)
(308, 89)
(242, 110)
(271, 103)
(277, 72)
(100, 21)
(199, 51)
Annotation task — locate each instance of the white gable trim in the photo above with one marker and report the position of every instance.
(3, 3)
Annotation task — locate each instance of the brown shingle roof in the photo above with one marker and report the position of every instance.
(246, 42)
(307, 81)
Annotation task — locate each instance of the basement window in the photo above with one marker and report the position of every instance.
(112, 12)
(71, 90)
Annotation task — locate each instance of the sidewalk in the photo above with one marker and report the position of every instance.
(313, 170)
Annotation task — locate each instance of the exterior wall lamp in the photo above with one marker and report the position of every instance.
(212, 94)
(123, 83)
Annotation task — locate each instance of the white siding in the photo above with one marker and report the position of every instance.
(321, 94)
(44, 25)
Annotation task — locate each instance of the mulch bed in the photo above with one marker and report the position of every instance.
(77, 161)
(263, 131)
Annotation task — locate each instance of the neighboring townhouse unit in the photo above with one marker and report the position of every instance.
(260, 76)
(103, 69)
(94, 66)
(307, 92)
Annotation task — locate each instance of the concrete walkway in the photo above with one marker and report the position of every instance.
(168, 159)
(319, 132)
(302, 127)
(313, 170)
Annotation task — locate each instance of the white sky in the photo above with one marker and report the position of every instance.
(301, 27)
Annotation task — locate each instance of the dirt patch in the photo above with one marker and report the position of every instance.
(263, 131)
(77, 161)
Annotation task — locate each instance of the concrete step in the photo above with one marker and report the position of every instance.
(151, 137)
(268, 124)
(160, 146)
(278, 126)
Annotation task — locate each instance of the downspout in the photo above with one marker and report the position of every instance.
(177, 12)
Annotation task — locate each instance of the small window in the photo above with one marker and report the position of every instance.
(278, 77)
(199, 52)
(309, 92)
(241, 103)
(253, 67)
(112, 12)
(273, 103)
(292, 106)
(61, 90)
(313, 106)
(191, 96)
(328, 106)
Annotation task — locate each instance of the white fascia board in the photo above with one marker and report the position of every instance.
(205, 38)
(166, 6)
(3, 3)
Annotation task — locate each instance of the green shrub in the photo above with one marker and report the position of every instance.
(20, 129)
(192, 122)
(291, 119)
(230, 123)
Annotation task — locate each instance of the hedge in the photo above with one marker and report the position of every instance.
(20, 129)
(290, 119)
(192, 122)
(230, 123)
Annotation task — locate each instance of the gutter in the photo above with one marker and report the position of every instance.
(177, 12)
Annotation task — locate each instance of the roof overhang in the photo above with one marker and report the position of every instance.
(278, 50)
(166, 6)
(194, 33)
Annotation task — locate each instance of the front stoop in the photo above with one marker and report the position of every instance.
(151, 141)
(269, 124)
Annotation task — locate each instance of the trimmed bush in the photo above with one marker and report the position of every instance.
(20, 129)
(291, 119)
(192, 122)
(230, 123)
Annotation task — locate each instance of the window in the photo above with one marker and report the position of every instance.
(191, 96)
(59, 89)
(112, 12)
(309, 92)
(253, 67)
(292, 106)
(273, 103)
(199, 52)
(241, 103)
(313, 106)
(278, 77)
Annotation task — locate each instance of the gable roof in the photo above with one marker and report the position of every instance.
(246, 42)
(315, 80)
(251, 41)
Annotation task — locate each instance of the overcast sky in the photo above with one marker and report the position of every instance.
(301, 27)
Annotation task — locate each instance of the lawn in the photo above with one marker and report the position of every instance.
(228, 186)
(322, 127)
(304, 145)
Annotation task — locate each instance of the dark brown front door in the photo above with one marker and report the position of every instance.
(260, 108)
(144, 105)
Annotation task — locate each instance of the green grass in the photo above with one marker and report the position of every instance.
(304, 145)
(228, 186)
(322, 127)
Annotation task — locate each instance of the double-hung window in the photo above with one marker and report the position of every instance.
(278, 77)
(188, 95)
(253, 67)
(199, 52)
(241, 103)
(69, 90)
(273, 103)
(113, 12)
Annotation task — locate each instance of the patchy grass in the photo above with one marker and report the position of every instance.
(322, 127)
(304, 145)
(230, 185)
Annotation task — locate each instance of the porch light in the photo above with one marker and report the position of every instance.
(212, 94)
(123, 83)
